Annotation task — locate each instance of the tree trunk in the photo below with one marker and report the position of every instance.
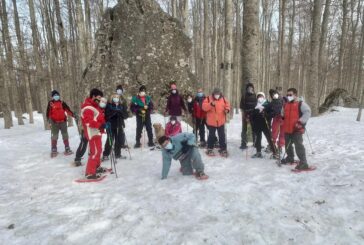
(282, 18)
(228, 53)
(185, 18)
(250, 41)
(361, 63)
(206, 51)
(290, 45)
(5, 101)
(10, 64)
(312, 84)
(344, 29)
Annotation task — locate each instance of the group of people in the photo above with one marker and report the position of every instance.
(281, 120)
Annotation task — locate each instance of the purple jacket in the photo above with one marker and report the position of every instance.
(175, 104)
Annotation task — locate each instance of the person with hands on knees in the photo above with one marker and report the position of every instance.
(216, 108)
(142, 106)
(115, 114)
(295, 115)
(57, 112)
(182, 147)
(94, 124)
(175, 103)
(173, 127)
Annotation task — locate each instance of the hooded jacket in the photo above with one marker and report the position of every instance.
(92, 118)
(175, 104)
(215, 115)
(248, 101)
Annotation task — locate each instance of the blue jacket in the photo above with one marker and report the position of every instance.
(176, 152)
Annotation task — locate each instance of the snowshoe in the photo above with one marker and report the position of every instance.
(257, 155)
(137, 145)
(91, 178)
(201, 176)
(120, 157)
(101, 170)
(268, 150)
(309, 168)
(287, 161)
(151, 144)
(77, 163)
(223, 153)
(68, 151)
(54, 152)
(301, 166)
(202, 144)
(210, 153)
(243, 147)
(105, 158)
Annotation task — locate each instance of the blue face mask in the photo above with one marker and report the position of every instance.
(115, 100)
(200, 95)
(56, 97)
(169, 146)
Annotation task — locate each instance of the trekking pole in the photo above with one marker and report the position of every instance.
(112, 154)
(309, 141)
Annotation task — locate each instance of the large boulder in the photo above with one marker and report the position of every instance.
(139, 44)
(339, 97)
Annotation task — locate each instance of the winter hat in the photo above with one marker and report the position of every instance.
(249, 84)
(142, 88)
(260, 93)
(216, 91)
(162, 139)
(173, 86)
(54, 92)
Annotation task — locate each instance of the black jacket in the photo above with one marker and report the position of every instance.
(116, 114)
(274, 108)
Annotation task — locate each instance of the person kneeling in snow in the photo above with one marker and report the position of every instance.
(173, 127)
(182, 147)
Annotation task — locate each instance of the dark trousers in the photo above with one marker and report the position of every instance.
(141, 122)
(258, 140)
(212, 137)
(82, 147)
(297, 140)
(200, 127)
(244, 136)
(117, 136)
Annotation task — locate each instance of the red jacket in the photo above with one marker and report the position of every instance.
(197, 110)
(172, 130)
(57, 111)
(291, 116)
(93, 118)
(215, 115)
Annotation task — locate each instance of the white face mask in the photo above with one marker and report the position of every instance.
(174, 91)
(173, 122)
(217, 96)
(169, 146)
(119, 92)
(275, 96)
(142, 93)
(115, 100)
(290, 98)
(102, 104)
(189, 100)
(261, 100)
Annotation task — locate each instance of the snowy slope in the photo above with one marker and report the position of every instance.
(245, 201)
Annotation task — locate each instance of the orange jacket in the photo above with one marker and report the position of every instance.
(215, 115)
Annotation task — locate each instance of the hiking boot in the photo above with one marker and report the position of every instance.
(210, 152)
(124, 147)
(68, 151)
(202, 144)
(301, 166)
(201, 175)
(101, 170)
(137, 145)
(287, 161)
(151, 144)
(120, 157)
(77, 163)
(223, 153)
(268, 149)
(243, 147)
(257, 155)
(93, 176)
(275, 156)
(104, 158)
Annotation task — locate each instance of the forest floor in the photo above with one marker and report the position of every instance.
(245, 201)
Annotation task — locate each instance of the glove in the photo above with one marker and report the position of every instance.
(299, 128)
(107, 126)
(226, 111)
(146, 107)
(212, 103)
(185, 147)
(260, 108)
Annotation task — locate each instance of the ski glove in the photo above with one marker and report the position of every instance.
(299, 128)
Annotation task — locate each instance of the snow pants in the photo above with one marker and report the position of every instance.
(297, 140)
(212, 137)
(200, 127)
(141, 122)
(117, 136)
(94, 159)
(278, 131)
(82, 147)
(258, 131)
(191, 160)
(244, 136)
(55, 128)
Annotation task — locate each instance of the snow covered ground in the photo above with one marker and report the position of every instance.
(245, 201)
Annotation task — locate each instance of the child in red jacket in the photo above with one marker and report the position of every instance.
(173, 127)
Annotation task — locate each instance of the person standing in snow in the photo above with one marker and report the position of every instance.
(295, 115)
(199, 116)
(216, 108)
(247, 105)
(175, 104)
(121, 91)
(142, 106)
(275, 119)
(82, 147)
(115, 114)
(182, 147)
(260, 125)
(94, 124)
(173, 127)
(57, 112)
